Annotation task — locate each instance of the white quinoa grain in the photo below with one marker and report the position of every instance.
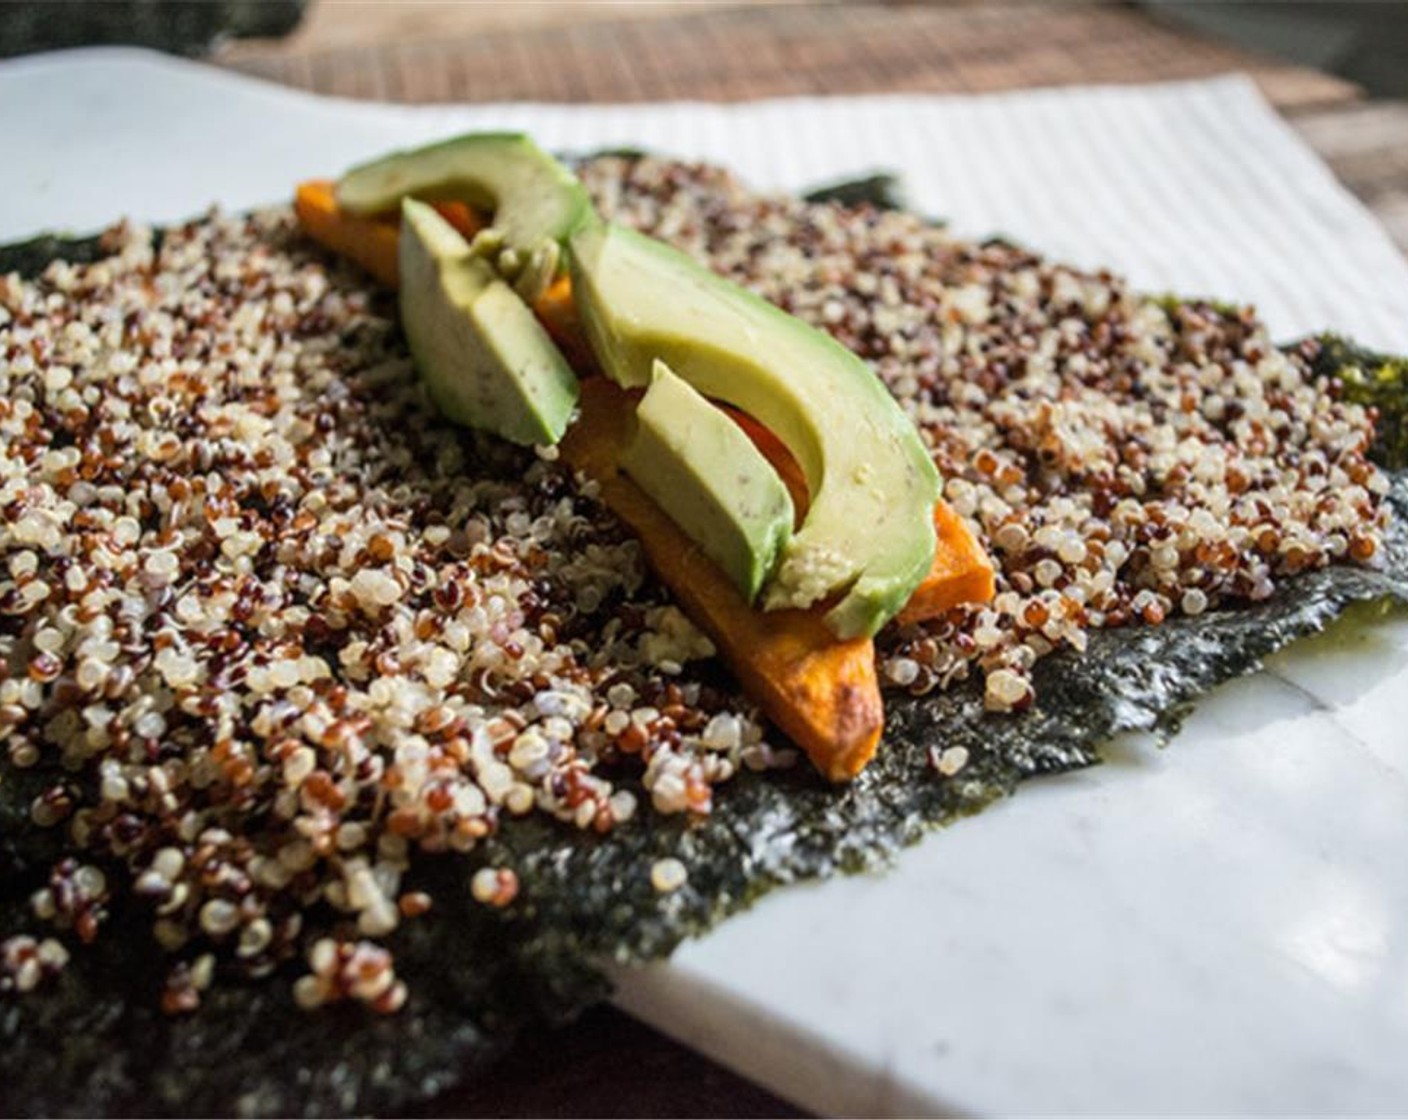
(218, 917)
(1005, 689)
(308, 993)
(902, 670)
(668, 875)
(494, 886)
(952, 760)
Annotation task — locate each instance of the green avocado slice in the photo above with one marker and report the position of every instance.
(868, 534)
(535, 200)
(706, 474)
(868, 537)
(486, 359)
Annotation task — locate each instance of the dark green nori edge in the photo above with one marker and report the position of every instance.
(881, 190)
(30, 257)
(1373, 380)
(625, 152)
(94, 1041)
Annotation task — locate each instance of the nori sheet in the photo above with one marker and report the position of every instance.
(94, 1041)
(29, 257)
(881, 190)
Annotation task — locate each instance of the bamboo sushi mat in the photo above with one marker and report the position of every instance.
(471, 52)
(649, 50)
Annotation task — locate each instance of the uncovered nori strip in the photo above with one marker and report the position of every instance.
(882, 191)
(95, 1041)
(29, 257)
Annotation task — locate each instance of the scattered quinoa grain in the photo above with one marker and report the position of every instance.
(494, 886)
(668, 875)
(951, 760)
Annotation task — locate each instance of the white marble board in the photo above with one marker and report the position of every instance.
(1221, 927)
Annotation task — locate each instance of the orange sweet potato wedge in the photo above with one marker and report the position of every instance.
(961, 572)
(371, 242)
(823, 693)
(557, 311)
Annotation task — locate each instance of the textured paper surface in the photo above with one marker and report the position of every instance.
(1196, 188)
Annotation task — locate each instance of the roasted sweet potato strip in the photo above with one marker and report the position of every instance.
(459, 215)
(961, 572)
(370, 242)
(822, 692)
(558, 313)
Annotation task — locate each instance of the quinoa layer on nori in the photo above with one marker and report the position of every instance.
(274, 636)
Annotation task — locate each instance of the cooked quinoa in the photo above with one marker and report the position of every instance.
(247, 575)
(1123, 458)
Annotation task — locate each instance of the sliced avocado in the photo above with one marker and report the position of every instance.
(535, 200)
(486, 359)
(869, 531)
(702, 469)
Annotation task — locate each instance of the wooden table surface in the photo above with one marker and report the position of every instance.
(558, 50)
